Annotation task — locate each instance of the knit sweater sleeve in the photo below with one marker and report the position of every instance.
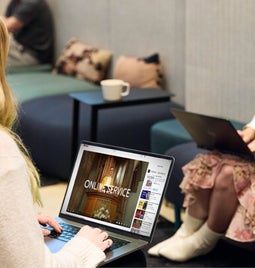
(21, 239)
(79, 252)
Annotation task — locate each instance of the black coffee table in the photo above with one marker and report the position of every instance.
(95, 100)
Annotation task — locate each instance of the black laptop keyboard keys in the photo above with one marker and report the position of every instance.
(117, 243)
(68, 232)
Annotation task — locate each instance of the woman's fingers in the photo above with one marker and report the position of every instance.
(96, 236)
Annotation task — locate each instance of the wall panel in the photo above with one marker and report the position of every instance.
(3, 4)
(135, 28)
(206, 46)
(220, 62)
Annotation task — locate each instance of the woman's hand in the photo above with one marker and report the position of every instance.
(45, 220)
(96, 236)
(248, 135)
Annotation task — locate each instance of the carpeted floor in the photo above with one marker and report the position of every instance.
(224, 255)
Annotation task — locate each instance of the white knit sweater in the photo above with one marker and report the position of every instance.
(21, 239)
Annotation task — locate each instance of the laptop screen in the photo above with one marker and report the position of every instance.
(117, 187)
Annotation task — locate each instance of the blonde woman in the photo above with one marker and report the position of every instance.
(21, 238)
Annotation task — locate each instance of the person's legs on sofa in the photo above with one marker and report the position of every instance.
(211, 185)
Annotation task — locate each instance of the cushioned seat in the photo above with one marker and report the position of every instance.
(30, 85)
(45, 127)
(166, 134)
(31, 68)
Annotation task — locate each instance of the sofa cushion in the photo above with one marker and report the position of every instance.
(31, 68)
(83, 61)
(166, 134)
(140, 72)
(26, 86)
(169, 133)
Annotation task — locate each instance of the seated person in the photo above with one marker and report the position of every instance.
(31, 32)
(219, 200)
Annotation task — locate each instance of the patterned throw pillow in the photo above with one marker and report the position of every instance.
(140, 72)
(83, 61)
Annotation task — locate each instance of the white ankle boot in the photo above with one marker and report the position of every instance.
(189, 226)
(200, 243)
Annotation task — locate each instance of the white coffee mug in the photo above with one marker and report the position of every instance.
(114, 89)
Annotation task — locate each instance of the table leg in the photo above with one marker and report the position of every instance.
(75, 128)
(93, 124)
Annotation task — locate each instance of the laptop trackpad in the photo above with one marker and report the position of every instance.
(53, 244)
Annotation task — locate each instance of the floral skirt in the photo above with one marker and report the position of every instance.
(201, 173)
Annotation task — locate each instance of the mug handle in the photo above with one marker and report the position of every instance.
(126, 88)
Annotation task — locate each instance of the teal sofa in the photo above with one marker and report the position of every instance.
(45, 119)
(38, 81)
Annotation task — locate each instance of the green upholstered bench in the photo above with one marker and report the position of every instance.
(28, 69)
(169, 133)
(45, 118)
(166, 134)
(31, 85)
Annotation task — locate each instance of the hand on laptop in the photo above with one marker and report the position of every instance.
(96, 236)
(47, 220)
(248, 135)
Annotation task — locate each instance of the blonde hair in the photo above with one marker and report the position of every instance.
(8, 113)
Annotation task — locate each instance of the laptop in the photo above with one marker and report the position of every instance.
(213, 133)
(117, 189)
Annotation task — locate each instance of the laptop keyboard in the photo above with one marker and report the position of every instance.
(69, 231)
(117, 243)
